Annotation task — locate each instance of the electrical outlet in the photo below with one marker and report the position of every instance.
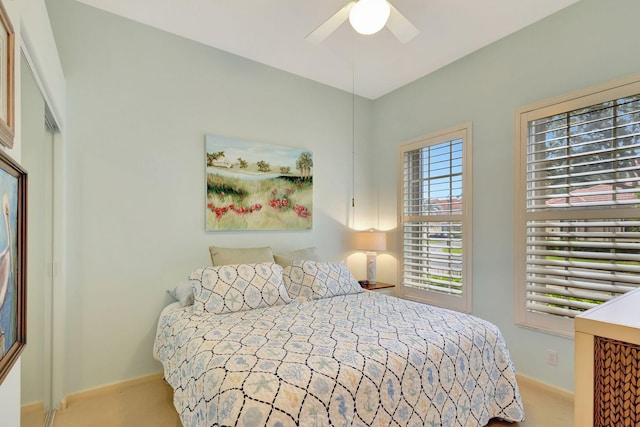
(552, 357)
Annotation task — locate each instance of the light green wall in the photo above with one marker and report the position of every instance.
(140, 102)
(591, 42)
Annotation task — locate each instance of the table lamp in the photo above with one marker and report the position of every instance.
(371, 241)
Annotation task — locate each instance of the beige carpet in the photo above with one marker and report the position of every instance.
(147, 402)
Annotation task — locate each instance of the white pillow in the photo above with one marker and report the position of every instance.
(315, 279)
(239, 287)
(183, 292)
(286, 258)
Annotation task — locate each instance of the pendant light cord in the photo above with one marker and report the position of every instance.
(353, 133)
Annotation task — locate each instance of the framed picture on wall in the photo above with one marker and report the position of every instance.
(256, 186)
(7, 43)
(13, 281)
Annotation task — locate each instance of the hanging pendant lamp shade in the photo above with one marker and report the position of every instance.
(369, 16)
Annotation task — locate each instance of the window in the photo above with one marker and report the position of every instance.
(435, 219)
(577, 217)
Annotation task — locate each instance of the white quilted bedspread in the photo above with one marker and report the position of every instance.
(355, 360)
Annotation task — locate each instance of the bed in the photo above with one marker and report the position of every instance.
(304, 345)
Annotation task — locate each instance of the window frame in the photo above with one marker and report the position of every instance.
(583, 98)
(464, 302)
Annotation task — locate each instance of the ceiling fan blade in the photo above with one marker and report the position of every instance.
(400, 26)
(330, 25)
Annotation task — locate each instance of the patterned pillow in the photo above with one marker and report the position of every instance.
(297, 283)
(314, 279)
(239, 287)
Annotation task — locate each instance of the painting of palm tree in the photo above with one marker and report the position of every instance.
(256, 186)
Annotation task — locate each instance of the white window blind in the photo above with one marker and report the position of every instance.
(433, 220)
(581, 217)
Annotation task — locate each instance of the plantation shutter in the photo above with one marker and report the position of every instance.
(432, 217)
(582, 200)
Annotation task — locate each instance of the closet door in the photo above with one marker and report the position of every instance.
(37, 159)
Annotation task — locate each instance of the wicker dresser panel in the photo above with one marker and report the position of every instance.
(617, 383)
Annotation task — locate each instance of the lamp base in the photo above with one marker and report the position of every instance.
(371, 267)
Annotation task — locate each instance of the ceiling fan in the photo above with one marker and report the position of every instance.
(367, 17)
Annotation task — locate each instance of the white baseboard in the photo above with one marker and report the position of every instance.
(115, 387)
(560, 392)
(106, 389)
(32, 407)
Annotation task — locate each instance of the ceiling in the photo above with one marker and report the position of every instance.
(273, 32)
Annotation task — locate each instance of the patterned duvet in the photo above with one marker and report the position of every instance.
(354, 360)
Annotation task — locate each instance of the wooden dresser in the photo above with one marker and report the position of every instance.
(607, 364)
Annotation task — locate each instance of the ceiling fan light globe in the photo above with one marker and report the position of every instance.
(369, 16)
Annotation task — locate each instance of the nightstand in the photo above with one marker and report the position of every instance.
(383, 288)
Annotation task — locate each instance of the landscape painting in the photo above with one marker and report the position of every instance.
(256, 186)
